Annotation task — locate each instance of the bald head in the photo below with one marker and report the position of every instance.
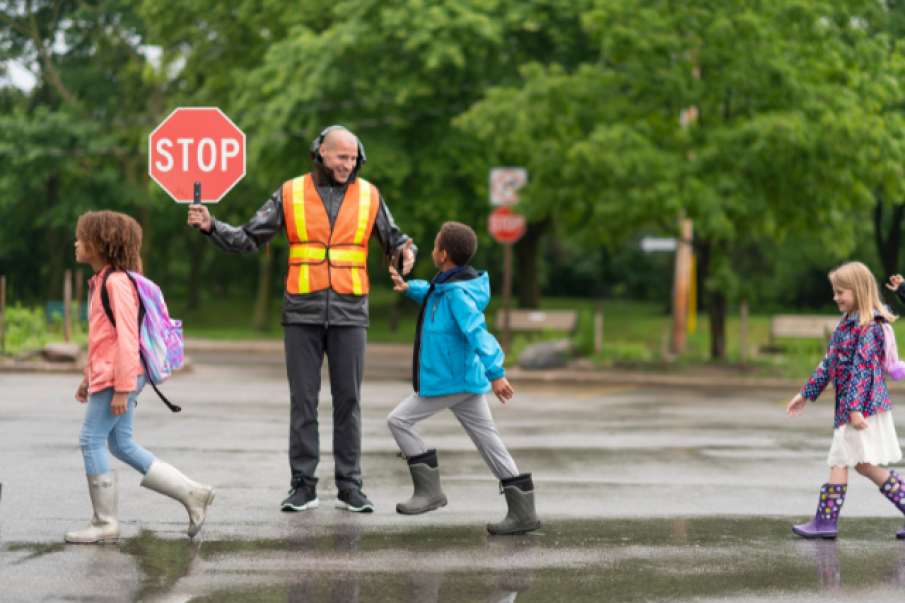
(340, 153)
(340, 136)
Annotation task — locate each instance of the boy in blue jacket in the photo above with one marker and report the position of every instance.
(456, 361)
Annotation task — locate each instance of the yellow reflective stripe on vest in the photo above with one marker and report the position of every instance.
(298, 208)
(305, 252)
(347, 256)
(304, 285)
(301, 230)
(356, 282)
(364, 209)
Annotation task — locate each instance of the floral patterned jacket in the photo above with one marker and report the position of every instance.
(853, 363)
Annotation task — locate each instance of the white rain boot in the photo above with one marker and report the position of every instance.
(169, 481)
(104, 527)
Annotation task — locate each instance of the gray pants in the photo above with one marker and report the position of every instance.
(474, 415)
(305, 349)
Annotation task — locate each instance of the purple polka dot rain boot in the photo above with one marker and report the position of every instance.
(824, 523)
(897, 498)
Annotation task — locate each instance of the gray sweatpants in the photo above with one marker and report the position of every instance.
(474, 415)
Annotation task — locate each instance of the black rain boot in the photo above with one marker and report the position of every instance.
(426, 477)
(522, 517)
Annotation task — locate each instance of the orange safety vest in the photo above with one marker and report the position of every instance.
(321, 258)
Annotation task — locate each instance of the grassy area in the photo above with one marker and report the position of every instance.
(27, 329)
(633, 333)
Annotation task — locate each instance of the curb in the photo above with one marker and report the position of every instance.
(63, 368)
(399, 352)
(607, 378)
(252, 346)
(56, 368)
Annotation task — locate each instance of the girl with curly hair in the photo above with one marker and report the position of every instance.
(113, 379)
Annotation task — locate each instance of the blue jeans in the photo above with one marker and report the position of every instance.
(102, 427)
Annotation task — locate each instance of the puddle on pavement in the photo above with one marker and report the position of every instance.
(613, 560)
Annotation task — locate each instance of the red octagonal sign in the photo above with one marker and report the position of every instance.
(197, 144)
(506, 226)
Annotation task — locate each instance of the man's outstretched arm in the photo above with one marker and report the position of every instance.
(249, 238)
(392, 239)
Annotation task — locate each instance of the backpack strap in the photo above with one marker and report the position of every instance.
(105, 300)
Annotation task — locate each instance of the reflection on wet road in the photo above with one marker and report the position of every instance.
(645, 495)
(632, 560)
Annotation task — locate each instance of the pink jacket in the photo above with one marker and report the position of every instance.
(113, 351)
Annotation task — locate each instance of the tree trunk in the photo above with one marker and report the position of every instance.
(716, 307)
(55, 241)
(888, 245)
(261, 319)
(197, 251)
(527, 253)
(716, 302)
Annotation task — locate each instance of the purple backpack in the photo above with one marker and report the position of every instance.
(890, 363)
(161, 347)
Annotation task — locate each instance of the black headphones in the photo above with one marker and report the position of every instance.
(316, 145)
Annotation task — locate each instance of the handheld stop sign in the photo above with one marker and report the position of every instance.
(197, 146)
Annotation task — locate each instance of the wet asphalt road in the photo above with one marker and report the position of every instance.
(645, 495)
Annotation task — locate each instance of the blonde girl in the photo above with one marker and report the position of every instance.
(864, 434)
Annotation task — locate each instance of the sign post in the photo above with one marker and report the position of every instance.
(196, 199)
(680, 294)
(506, 227)
(684, 301)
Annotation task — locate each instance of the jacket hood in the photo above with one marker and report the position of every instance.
(473, 283)
(321, 170)
(854, 317)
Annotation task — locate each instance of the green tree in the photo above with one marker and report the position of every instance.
(397, 73)
(73, 143)
(888, 19)
(791, 135)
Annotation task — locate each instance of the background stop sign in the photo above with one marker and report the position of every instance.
(197, 145)
(505, 226)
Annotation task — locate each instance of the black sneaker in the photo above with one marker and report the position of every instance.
(301, 498)
(354, 500)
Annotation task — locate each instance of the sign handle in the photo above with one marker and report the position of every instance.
(197, 199)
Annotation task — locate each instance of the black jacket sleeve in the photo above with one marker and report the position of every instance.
(900, 291)
(255, 234)
(390, 236)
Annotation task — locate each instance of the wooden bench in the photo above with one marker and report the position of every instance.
(538, 320)
(803, 327)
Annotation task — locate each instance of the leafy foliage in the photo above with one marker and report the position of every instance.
(792, 131)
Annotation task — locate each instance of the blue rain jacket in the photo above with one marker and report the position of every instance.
(454, 352)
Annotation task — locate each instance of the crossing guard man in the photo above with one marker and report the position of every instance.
(329, 216)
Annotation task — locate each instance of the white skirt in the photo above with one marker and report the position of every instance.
(876, 445)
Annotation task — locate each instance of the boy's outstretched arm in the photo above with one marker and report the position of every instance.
(471, 321)
(897, 284)
(416, 289)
